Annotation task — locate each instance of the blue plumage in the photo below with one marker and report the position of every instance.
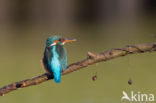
(55, 56)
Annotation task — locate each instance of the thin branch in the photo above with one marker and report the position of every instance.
(92, 58)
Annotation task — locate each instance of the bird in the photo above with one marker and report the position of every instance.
(125, 96)
(55, 56)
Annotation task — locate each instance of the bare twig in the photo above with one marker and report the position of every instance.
(91, 59)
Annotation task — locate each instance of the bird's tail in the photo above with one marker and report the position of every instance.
(57, 77)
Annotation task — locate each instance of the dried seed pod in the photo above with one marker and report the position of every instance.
(130, 82)
(94, 78)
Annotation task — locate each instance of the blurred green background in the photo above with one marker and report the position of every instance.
(98, 25)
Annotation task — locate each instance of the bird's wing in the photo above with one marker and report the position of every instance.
(62, 57)
(47, 59)
(125, 96)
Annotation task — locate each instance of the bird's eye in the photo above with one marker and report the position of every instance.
(61, 39)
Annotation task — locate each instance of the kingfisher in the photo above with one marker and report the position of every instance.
(55, 56)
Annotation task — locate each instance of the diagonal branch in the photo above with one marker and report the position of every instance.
(91, 59)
